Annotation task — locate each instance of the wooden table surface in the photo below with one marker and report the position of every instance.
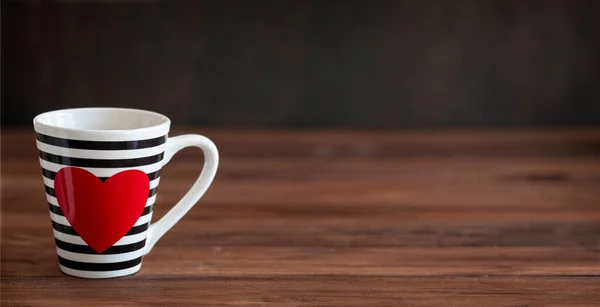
(342, 218)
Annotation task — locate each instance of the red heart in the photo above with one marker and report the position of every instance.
(101, 213)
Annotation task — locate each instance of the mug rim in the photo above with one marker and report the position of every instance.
(163, 123)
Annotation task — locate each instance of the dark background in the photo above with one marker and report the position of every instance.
(364, 64)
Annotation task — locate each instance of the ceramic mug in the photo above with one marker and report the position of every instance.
(101, 171)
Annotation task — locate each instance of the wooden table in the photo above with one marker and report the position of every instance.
(342, 218)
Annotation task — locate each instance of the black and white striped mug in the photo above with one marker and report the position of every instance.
(101, 171)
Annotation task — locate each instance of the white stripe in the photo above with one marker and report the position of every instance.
(52, 200)
(100, 274)
(103, 172)
(151, 200)
(63, 220)
(154, 183)
(101, 154)
(78, 240)
(144, 219)
(50, 183)
(59, 219)
(91, 258)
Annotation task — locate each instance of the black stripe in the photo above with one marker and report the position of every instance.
(102, 163)
(48, 174)
(151, 176)
(147, 210)
(51, 175)
(88, 266)
(64, 228)
(56, 210)
(137, 229)
(152, 192)
(50, 191)
(84, 249)
(100, 145)
(70, 231)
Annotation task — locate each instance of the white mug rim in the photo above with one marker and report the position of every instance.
(163, 122)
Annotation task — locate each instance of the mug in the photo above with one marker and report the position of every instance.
(101, 171)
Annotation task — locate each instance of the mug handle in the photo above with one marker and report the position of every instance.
(211, 162)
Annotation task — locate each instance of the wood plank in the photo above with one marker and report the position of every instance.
(185, 260)
(307, 291)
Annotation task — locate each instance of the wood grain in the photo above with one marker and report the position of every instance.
(342, 218)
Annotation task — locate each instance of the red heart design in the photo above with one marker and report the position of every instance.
(101, 213)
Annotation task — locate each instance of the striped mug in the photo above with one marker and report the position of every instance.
(101, 170)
